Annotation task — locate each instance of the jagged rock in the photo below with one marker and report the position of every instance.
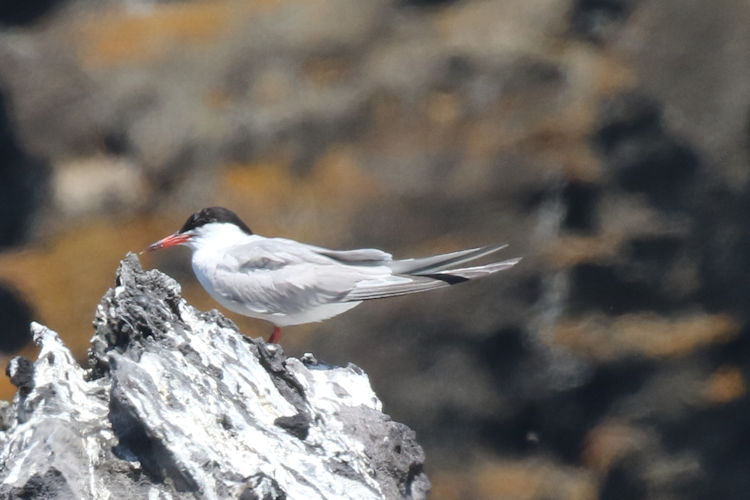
(178, 404)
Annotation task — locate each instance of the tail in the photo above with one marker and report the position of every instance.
(419, 275)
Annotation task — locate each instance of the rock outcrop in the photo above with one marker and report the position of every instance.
(177, 403)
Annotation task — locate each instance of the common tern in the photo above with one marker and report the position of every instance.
(287, 283)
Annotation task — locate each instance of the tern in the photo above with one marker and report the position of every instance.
(286, 282)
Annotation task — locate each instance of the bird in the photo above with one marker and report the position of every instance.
(286, 282)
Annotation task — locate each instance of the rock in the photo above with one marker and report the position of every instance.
(177, 403)
(642, 155)
(15, 315)
(598, 20)
(23, 181)
(12, 14)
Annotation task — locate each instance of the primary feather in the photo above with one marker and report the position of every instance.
(435, 275)
(438, 262)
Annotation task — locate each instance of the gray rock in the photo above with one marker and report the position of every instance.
(178, 404)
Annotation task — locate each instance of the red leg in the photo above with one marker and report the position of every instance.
(275, 336)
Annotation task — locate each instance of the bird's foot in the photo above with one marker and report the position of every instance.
(275, 336)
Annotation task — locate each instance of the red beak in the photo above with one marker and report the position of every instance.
(169, 241)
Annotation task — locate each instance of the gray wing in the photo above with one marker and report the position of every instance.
(402, 284)
(415, 275)
(428, 273)
(444, 261)
(358, 257)
(276, 273)
(278, 276)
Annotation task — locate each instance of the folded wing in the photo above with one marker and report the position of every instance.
(419, 275)
(281, 274)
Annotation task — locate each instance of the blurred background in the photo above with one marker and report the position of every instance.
(608, 141)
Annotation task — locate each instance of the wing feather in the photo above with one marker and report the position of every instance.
(405, 284)
(359, 257)
(444, 261)
(274, 276)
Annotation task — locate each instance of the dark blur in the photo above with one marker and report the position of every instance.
(608, 141)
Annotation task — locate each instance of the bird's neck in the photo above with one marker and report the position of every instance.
(215, 238)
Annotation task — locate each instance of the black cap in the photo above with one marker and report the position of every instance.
(213, 214)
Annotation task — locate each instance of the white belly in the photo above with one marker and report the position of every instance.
(317, 313)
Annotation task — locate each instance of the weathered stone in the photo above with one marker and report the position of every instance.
(177, 403)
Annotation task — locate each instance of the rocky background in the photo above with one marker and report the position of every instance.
(607, 140)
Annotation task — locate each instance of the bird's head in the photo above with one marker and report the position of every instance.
(207, 224)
